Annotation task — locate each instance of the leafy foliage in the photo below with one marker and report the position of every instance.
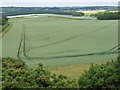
(15, 74)
(107, 15)
(102, 76)
(3, 20)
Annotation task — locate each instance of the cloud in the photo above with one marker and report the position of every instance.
(48, 3)
(59, 1)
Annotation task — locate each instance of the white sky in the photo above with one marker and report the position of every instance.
(50, 3)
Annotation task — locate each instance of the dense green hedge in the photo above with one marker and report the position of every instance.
(107, 15)
(102, 76)
(15, 74)
(3, 20)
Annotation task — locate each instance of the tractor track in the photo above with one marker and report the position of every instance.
(22, 41)
(74, 56)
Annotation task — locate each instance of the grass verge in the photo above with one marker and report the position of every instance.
(71, 71)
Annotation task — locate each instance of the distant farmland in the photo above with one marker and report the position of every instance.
(56, 41)
(89, 12)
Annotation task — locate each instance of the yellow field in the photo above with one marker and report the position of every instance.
(92, 11)
(72, 71)
(113, 11)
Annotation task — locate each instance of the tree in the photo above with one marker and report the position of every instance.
(107, 15)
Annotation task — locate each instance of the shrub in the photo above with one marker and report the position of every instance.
(107, 15)
(15, 74)
(102, 76)
(3, 20)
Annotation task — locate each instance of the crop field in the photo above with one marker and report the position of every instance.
(89, 12)
(55, 41)
(93, 11)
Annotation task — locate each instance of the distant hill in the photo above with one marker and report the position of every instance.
(53, 10)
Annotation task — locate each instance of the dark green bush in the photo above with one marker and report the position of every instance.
(108, 15)
(102, 76)
(3, 20)
(15, 74)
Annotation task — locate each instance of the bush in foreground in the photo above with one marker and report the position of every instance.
(15, 74)
(102, 76)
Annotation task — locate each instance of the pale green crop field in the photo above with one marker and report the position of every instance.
(57, 41)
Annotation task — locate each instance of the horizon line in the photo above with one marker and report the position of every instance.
(68, 6)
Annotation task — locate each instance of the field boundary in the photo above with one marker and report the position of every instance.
(3, 32)
(73, 18)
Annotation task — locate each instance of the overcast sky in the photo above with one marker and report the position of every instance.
(59, 3)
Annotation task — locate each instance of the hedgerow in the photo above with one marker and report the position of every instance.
(107, 15)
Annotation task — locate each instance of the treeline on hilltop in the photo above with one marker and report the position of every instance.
(107, 15)
(11, 11)
(15, 74)
(108, 8)
(3, 20)
(30, 10)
